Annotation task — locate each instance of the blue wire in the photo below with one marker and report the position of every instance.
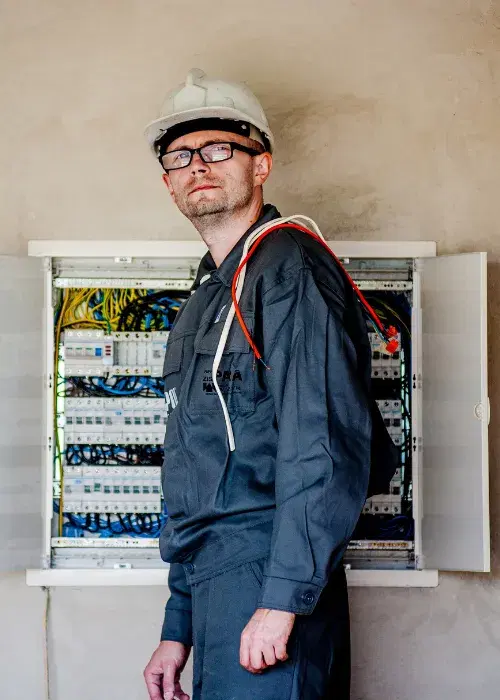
(125, 392)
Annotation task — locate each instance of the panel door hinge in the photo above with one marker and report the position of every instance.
(418, 265)
(420, 562)
(417, 443)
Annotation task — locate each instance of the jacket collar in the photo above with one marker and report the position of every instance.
(227, 268)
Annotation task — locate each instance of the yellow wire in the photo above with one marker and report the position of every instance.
(112, 305)
(389, 308)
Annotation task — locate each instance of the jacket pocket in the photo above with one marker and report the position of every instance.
(179, 485)
(236, 375)
(172, 373)
(256, 569)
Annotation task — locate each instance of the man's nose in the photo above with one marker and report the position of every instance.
(198, 165)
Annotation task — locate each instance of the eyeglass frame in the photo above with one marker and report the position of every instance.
(234, 147)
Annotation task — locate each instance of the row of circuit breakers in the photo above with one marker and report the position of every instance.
(114, 421)
(93, 353)
(104, 423)
(113, 489)
(387, 367)
(90, 421)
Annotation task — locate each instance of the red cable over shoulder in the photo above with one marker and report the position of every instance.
(388, 333)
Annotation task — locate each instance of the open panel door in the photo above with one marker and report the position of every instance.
(455, 413)
(21, 412)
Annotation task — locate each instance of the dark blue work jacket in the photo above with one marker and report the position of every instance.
(302, 428)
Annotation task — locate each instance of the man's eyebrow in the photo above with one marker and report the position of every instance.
(208, 143)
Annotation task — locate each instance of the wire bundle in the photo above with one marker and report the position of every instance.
(125, 455)
(109, 387)
(147, 525)
(118, 309)
(155, 311)
(387, 527)
(95, 308)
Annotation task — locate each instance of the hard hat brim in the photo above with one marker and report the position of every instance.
(159, 126)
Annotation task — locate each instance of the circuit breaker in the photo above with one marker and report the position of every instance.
(108, 311)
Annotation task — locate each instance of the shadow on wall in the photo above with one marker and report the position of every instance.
(347, 200)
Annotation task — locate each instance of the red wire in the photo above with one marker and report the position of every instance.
(388, 333)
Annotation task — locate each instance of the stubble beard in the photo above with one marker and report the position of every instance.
(207, 213)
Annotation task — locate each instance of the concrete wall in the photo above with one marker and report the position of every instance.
(387, 117)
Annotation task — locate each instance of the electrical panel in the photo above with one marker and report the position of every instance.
(386, 526)
(109, 420)
(108, 319)
(110, 412)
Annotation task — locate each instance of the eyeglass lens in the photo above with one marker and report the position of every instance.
(212, 153)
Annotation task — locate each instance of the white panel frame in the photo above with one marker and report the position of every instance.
(196, 249)
(48, 415)
(416, 414)
(159, 577)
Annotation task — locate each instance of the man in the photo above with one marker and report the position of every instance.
(256, 535)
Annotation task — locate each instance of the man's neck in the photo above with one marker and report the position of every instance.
(221, 233)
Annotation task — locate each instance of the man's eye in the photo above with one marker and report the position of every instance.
(181, 157)
(217, 148)
(217, 151)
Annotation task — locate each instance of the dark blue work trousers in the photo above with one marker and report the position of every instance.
(318, 667)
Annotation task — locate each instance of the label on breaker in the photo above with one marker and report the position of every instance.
(87, 348)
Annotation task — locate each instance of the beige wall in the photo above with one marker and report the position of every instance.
(387, 116)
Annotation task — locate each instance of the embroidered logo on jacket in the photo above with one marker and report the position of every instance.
(230, 382)
(220, 314)
(171, 400)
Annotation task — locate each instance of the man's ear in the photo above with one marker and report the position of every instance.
(263, 164)
(166, 180)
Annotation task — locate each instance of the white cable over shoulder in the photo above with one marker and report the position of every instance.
(232, 312)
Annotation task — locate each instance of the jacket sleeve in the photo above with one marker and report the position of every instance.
(323, 455)
(177, 624)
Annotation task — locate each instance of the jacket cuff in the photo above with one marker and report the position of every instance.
(177, 626)
(291, 596)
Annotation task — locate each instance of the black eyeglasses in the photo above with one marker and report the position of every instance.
(211, 153)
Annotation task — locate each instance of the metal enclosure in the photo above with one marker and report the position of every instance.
(450, 407)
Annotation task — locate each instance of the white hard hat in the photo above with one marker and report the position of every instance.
(202, 98)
